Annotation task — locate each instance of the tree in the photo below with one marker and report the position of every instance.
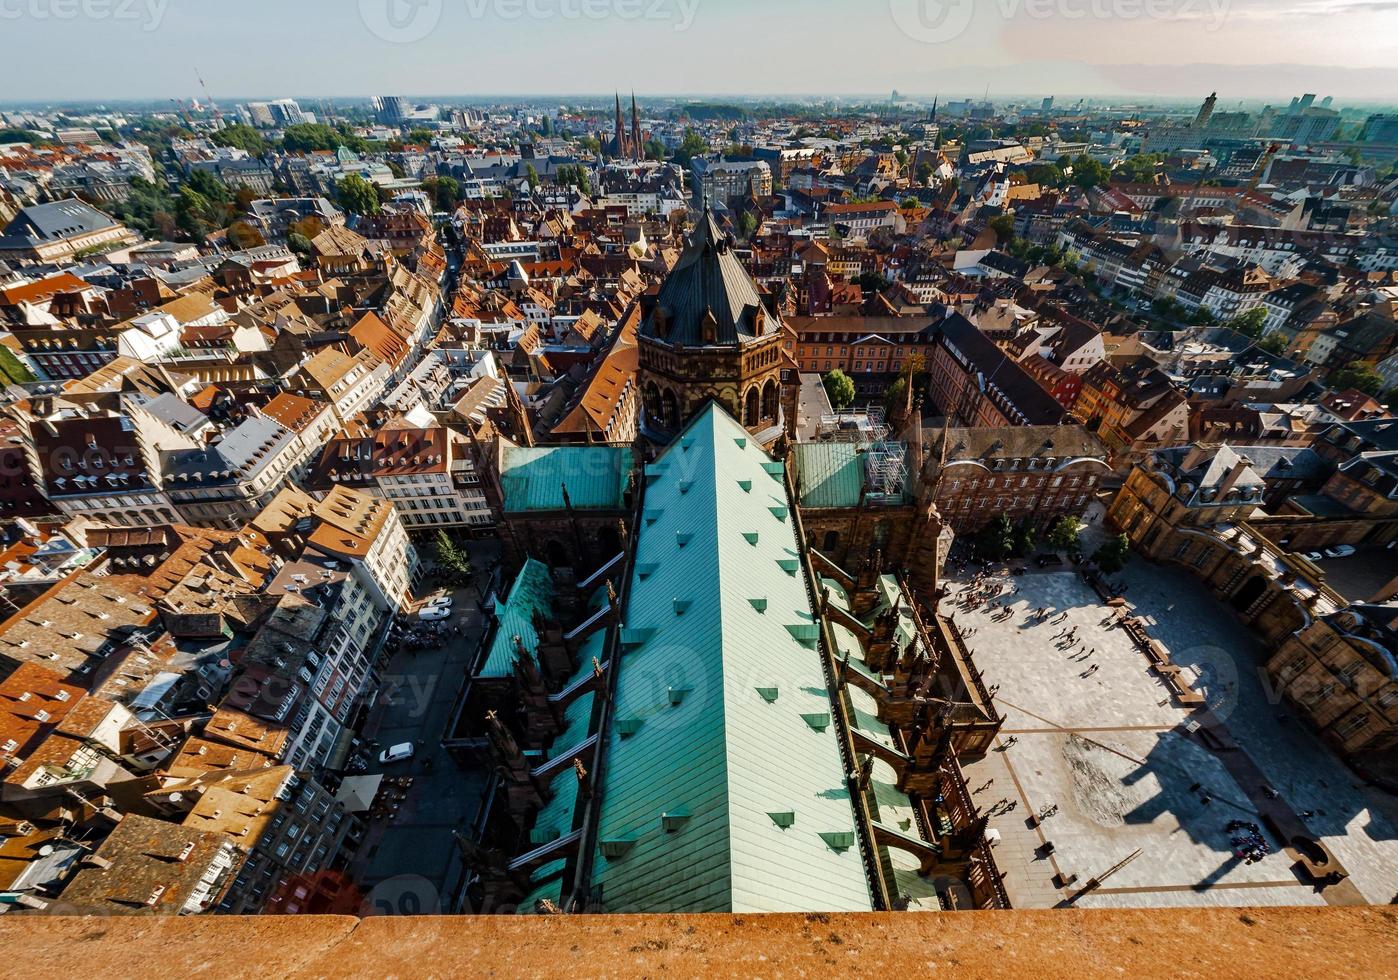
(1359, 376)
(910, 204)
(925, 170)
(894, 397)
(445, 191)
(308, 137)
(1088, 173)
(655, 150)
(997, 540)
(308, 227)
(241, 137)
(299, 243)
(1249, 324)
(357, 196)
(531, 175)
(1139, 169)
(1273, 343)
(11, 135)
(691, 146)
(573, 175)
(1112, 556)
(872, 282)
(840, 389)
(242, 235)
(1046, 175)
(1004, 227)
(747, 225)
(209, 186)
(453, 562)
(1064, 534)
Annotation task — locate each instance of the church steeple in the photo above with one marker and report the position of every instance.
(619, 137)
(637, 150)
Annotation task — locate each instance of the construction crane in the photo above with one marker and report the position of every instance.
(218, 113)
(1262, 165)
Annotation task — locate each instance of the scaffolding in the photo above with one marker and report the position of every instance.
(863, 426)
(885, 469)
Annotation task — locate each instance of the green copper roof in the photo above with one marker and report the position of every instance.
(531, 592)
(829, 474)
(533, 479)
(720, 793)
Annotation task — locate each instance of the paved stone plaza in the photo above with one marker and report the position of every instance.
(1110, 749)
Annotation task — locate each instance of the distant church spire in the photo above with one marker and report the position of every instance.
(637, 150)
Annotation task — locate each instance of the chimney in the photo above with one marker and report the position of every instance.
(1196, 455)
(1231, 480)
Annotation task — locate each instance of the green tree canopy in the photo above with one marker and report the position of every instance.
(691, 146)
(357, 196)
(1359, 376)
(1112, 556)
(445, 191)
(452, 561)
(1139, 169)
(241, 137)
(1249, 324)
(1089, 173)
(1004, 227)
(1064, 534)
(840, 389)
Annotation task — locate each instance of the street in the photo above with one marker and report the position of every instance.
(409, 863)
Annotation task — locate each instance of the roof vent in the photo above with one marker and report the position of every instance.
(768, 694)
(746, 485)
(817, 722)
(615, 847)
(672, 820)
(645, 571)
(682, 606)
(838, 840)
(683, 538)
(685, 486)
(653, 516)
(788, 565)
(676, 695)
(784, 818)
(750, 537)
(779, 512)
(626, 727)
(759, 604)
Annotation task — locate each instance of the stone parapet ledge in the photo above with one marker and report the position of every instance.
(1207, 943)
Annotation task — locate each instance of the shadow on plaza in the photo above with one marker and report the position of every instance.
(1205, 636)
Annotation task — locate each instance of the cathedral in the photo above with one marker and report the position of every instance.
(711, 335)
(626, 144)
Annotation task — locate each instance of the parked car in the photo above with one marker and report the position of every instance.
(1313, 556)
(1340, 551)
(1044, 561)
(429, 614)
(396, 753)
(441, 602)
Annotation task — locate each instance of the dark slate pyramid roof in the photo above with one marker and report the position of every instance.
(709, 299)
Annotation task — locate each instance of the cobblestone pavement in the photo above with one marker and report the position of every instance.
(1109, 748)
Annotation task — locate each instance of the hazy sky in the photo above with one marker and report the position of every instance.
(1273, 49)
